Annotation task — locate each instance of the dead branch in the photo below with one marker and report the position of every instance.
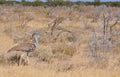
(27, 20)
(54, 25)
(23, 20)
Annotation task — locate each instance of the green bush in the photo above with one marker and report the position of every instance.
(8, 2)
(60, 3)
(36, 3)
(116, 4)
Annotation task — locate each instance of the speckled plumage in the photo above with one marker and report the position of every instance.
(23, 47)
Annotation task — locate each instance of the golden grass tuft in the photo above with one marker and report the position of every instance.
(63, 49)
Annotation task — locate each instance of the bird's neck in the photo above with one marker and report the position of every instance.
(36, 42)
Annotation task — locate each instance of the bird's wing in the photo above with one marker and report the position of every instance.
(22, 47)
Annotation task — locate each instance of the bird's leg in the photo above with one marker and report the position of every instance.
(21, 58)
(27, 58)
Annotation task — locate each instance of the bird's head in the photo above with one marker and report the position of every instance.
(35, 35)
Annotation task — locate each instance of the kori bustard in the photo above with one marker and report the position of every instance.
(23, 49)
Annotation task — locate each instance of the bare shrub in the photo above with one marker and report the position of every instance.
(54, 25)
(101, 63)
(23, 19)
(102, 37)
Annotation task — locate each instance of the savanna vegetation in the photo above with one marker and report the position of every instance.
(76, 39)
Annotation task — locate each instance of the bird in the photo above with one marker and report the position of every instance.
(23, 49)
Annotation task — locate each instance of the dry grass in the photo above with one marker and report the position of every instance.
(31, 72)
(60, 58)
